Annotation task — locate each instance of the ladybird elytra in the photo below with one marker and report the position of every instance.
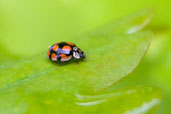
(65, 51)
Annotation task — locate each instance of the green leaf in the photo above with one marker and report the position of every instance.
(137, 100)
(25, 99)
(5, 57)
(35, 85)
(108, 60)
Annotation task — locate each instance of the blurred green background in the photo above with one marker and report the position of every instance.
(30, 26)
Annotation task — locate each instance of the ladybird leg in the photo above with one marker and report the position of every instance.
(78, 63)
(54, 63)
(59, 63)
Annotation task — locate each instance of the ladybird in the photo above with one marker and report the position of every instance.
(65, 51)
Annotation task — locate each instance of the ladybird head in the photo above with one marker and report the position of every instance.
(78, 54)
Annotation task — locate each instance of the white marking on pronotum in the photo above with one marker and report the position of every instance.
(144, 108)
(76, 55)
(75, 48)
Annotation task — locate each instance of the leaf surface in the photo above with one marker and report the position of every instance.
(36, 85)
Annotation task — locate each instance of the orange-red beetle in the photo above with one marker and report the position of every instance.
(65, 51)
